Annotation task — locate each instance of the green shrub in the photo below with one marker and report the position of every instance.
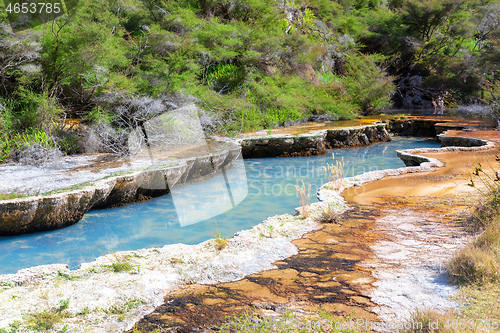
(5, 148)
(34, 136)
(275, 117)
(31, 110)
(369, 87)
(224, 78)
(46, 320)
(68, 143)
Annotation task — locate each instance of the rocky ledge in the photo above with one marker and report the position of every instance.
(448, 143)
(47, 212)
(313, 143)
(66, 206)
(432, 126)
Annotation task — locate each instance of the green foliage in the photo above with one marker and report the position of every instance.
(46, 320)
(224, 78)
(9, 196)
(253, 321)
(220, 41)
(427, 18)
(65, 276)
(13, 327)
(118, 267)
(5, 148)
(27, 109)
(121, 264)
(249, 56)
(99, 115)
(220, 242)
(64, 303)
(34, 136)
(369, 87)
(68, 143)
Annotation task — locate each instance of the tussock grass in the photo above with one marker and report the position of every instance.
(121, 264)
(118, 267)
(220, 242)
(330, 215)
(47, 319)
(335, 173)
(479, 313)
(479, 262)
(475, 268)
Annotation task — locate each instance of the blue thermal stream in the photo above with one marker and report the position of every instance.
(271, 191)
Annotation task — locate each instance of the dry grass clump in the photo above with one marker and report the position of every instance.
(220, 242)
(479, 313)
(330, 215)
(479, 262)
(429, 321)
(423, 321)
(335, 173)
(304, 195)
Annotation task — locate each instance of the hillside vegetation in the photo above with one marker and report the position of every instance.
(247, 64)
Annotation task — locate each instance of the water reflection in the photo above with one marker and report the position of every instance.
(198, 202)
(270, 183)
(179, 134)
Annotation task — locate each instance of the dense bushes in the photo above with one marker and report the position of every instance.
(247, 63)
(31, 129)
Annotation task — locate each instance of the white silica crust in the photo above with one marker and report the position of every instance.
(69, 171)
(409, 264)
(101, 300)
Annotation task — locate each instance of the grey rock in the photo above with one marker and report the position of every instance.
(40, 213)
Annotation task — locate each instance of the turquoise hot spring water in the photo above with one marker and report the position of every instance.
(270, 190)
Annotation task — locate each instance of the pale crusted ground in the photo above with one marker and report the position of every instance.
(68, 171)
(103, 301)
(419, 230)
(409, 264)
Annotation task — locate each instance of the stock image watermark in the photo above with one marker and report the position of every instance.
(367, 325)
(25, 14)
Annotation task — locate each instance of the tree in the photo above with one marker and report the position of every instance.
(19, 56)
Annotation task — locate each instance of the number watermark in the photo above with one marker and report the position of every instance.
(25, 14)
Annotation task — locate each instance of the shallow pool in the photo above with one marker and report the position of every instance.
(271, 190)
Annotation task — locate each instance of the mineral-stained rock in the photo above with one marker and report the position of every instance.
(32, 214)
(39, 213)
(313, 144)
(414, 127)
(20, 216)
(447, 141)
(356, 136)
(283, 146)
(123, 192)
